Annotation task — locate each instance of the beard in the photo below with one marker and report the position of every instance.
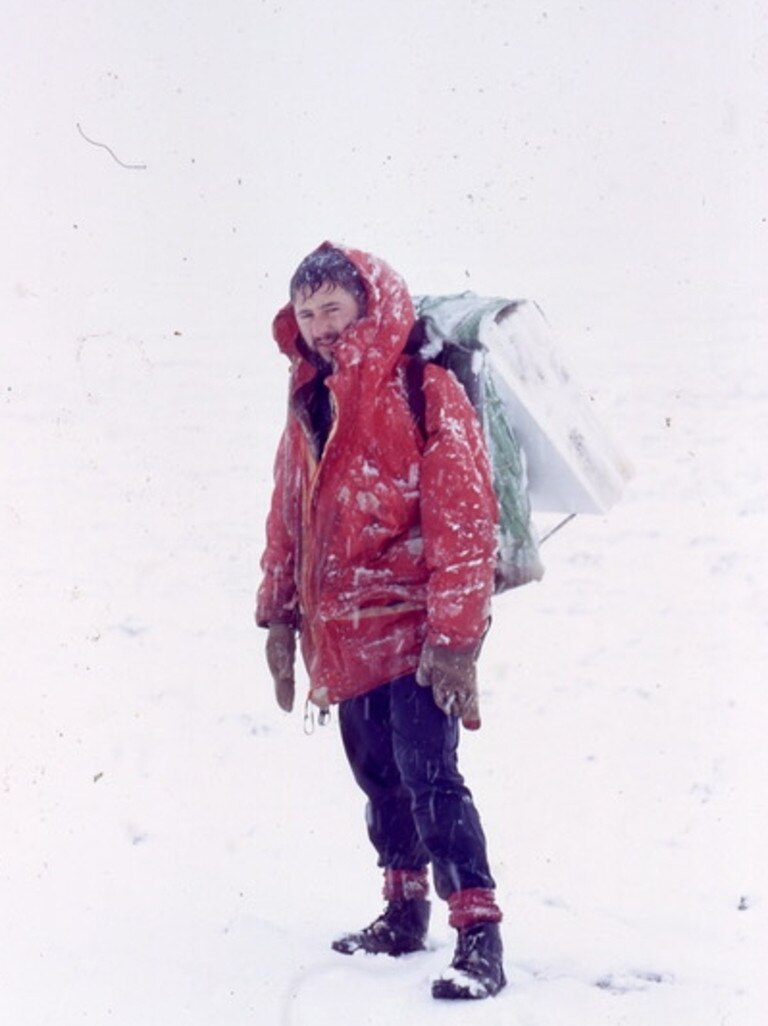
(324, 346)
(326, 340)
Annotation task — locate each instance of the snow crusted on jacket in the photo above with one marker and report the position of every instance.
(383, 540)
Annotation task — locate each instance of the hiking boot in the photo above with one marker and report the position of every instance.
(399, 930)
(476, 970)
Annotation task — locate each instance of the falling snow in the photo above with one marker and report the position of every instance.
(174, 849)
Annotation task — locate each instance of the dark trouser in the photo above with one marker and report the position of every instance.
(403, 753)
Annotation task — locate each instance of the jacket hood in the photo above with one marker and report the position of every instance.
(380, 335)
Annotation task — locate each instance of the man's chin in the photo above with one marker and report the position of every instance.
(326, 347)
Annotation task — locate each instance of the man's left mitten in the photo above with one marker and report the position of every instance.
(452, 676)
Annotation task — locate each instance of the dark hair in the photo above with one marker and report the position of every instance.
(328, 267)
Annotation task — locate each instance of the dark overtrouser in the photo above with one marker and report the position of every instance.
(403, 753)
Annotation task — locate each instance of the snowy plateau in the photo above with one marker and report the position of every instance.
(174, 850)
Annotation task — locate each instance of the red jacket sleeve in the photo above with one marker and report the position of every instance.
(459, 515)
(276, 599)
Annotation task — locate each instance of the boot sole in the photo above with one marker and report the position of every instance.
(461, 986)
(351, 949)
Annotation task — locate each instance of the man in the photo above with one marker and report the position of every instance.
(380, 551)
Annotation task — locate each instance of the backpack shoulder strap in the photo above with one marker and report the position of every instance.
(414, 390)
(414, 374)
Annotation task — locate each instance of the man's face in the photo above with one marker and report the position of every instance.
(324, 315)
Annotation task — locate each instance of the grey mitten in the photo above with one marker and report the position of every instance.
(452, 676)
(281, 656)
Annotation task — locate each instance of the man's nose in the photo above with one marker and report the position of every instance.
(319, 327)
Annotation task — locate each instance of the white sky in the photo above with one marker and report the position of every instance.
(576, 152)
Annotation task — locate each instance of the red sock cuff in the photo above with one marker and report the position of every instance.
(471, 906)
(405, 884)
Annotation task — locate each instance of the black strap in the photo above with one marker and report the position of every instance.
(414, 387)
(460, 359)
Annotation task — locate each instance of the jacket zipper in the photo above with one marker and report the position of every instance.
(315, 468)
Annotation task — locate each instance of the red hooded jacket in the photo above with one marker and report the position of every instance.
(386, 539)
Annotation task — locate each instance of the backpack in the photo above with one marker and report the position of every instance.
(446, 332)
(548, 451)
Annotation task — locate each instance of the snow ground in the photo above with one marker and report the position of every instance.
(174, 849)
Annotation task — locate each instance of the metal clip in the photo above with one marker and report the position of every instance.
(323, 717)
